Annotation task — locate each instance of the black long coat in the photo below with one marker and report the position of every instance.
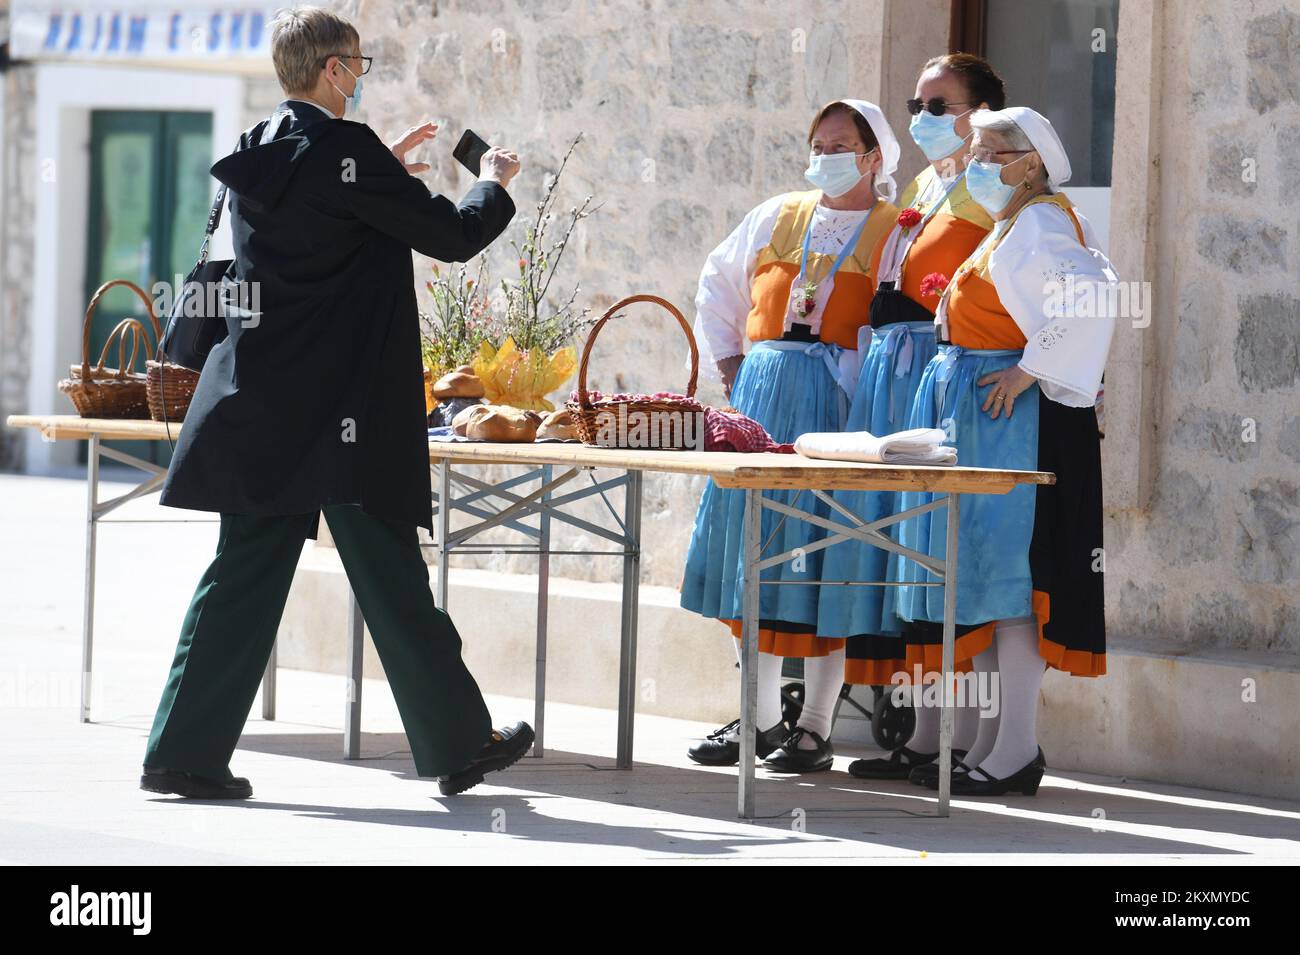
(319, 398)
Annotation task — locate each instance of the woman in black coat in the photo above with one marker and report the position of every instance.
(315, 402)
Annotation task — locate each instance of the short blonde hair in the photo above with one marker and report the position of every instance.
(302, 39)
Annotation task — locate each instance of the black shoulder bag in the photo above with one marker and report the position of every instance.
(197, 321)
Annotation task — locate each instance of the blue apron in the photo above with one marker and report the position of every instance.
(993, 537)
(890, 376)
(790, 388)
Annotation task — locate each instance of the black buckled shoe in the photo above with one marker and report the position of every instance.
(505, 748)
(923, 775)
(722, 746)
(1025, 781)
(790, 758)
(897, 765)
(192, 786)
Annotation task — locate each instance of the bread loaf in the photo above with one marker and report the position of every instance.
(503, 423)
(461, 383)
(462, 420)
(558, 425)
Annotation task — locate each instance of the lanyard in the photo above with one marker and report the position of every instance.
(849, 246)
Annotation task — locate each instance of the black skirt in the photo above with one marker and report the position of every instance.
(1065, 565)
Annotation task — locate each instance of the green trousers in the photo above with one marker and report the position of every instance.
(230, 627)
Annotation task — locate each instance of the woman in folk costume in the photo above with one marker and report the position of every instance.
(1024, 329)
(939, 227)
(793, 280)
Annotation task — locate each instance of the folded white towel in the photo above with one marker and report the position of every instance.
(917, 446)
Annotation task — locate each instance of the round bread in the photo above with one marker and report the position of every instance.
(559, 424)
(461, 422)
(503, 423)
(458, 384)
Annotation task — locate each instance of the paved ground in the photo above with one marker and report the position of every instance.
(68, 790)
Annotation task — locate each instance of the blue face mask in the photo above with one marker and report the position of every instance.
(834, 173)
(984, 181)
(936, 135)
(350, 103)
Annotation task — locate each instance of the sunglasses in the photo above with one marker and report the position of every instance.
(938, 105)
(365, 61)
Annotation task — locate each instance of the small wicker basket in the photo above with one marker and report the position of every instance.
(103, 392)
(592, 419)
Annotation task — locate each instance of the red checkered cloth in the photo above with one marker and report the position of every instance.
(725, 429)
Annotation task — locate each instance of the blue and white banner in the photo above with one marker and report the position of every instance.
(140, 30)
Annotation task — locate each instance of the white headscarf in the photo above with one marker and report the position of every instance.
(889, 150)
(1041, 136)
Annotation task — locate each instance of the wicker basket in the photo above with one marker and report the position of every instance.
(101, 392)
(589, 415)
(171, 388)
(121, 392)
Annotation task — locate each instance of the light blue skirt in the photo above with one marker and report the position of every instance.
(789, 389)
(995, 530)
(891, 374)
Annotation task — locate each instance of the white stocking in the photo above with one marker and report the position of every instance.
(769, 689)
(823, 677)
(1020, 669)
(986, 733)
(925, 738)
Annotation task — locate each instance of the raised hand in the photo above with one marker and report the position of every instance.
(409, 140)
(499, 165)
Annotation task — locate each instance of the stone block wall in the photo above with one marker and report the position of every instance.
(1211, 563)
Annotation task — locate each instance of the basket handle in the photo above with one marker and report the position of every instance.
(119, 333)
(90, 313)
(583, 399)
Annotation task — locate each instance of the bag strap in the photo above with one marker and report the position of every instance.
(262, 132)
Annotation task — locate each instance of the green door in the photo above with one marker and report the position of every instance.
(150, 193)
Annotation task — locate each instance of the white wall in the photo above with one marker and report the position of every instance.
(65, 96)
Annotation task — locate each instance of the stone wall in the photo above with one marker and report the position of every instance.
(18, 180)
(1210, 561)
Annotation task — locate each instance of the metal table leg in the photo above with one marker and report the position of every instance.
(88, 599)
(268, 685)
(543, 595)
(948, 716)
(444, 530)
(749, 654)
(95, 515)
(356, 660)
(627, 641)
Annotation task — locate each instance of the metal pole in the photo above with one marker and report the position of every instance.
(749, 653)
(356, 663)
(268, 685)
(444, 529)
(631, 594)
(948, 716)
(88, 598)
(543, 595)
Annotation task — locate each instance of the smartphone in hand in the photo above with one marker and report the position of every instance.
(469, 151)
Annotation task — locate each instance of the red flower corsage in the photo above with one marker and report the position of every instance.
(908, 218)
(934, 284)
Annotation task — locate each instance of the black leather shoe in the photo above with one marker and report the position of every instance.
(717, 749)
(921, 775)
(897, 765)
(791, 759)
(1024, 781)
(194, 787)
(504, 749)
